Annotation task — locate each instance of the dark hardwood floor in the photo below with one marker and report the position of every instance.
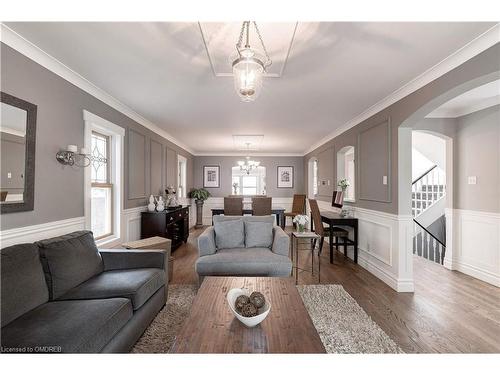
(449, 312)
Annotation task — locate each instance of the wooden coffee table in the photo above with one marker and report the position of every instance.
(212, 328)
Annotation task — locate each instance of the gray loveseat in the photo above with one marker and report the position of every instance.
(243, 246)
(64, 295)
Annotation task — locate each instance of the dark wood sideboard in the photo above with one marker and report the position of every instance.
(171, 223)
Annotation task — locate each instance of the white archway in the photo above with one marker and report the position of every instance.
(405, 176)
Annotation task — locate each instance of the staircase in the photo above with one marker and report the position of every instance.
(429, 242)
(427, 189)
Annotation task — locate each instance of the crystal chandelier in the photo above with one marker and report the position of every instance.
(248, 165)
(249, 66)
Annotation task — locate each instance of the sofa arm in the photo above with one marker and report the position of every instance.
(119, 259)
(281, 241)
(206, 242)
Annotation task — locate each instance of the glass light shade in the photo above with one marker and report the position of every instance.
(248, 73)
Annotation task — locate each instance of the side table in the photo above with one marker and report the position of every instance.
(296, 237)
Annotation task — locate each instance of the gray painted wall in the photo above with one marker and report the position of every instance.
(481, 69)
(476, 144)
(270, 162)
(477, 153)
(58, 188)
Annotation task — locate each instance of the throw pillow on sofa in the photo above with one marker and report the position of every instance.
(258, 234)
(69, 260)
(229, 234)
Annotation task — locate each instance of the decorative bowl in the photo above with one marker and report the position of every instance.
(248, 321)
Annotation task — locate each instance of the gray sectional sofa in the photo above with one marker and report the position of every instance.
(64, 295)
(243, 246)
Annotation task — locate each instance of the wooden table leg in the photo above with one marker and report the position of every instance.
(356, 243)
(283, 220)
(331, 244)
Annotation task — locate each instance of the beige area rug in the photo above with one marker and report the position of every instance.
(342, 324)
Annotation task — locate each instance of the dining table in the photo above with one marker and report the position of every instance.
(279, 212)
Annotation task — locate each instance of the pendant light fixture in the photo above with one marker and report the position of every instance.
(250, 65)
(248, 165)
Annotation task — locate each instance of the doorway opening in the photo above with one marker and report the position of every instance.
(428, 196)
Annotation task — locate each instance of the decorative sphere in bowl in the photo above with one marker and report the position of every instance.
(249, 321)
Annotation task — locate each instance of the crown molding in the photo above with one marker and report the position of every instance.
(465, 110)
(252, 154)
(30, 50)
(484, 41)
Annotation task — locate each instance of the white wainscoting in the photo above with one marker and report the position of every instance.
(38, 232)
(381, 235)
(131, 223)
(476, 241)
(218, 202)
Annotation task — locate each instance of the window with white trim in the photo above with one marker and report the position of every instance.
(253, 183)
(182, 178)
(102, 188)
(315, 177)
(103, 179)
(346, 170)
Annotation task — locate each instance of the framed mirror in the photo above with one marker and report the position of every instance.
(17, 153)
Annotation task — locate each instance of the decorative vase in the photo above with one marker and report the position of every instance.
(302, 228)
(151, 205)
(160, 205)
(199, 213)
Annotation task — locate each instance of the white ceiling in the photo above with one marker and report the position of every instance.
(481, 97)
(335, 71)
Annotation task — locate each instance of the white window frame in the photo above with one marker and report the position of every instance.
(116, 136)
(260, 174)
(342, 170)
(181, 176)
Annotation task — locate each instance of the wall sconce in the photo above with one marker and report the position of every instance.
(71, 157)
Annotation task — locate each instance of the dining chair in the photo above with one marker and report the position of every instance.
(233, 206)
(298, 206)
(261, 206)
(323, 231)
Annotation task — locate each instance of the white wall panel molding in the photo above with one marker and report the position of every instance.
(38, 232)
(131, 219)
(383, 245)
(477, 244)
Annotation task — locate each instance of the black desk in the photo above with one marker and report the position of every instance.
(332, 218)
(279, 212)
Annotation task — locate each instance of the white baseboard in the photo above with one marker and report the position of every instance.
(38, 232)
(478, 273)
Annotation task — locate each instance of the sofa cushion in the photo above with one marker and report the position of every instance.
(68, 326)
(258, 234)
(138, 285)
(69, 260)
(23, 281)
(229, 234)
(250, 262)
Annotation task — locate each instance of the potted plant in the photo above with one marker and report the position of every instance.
(199, 196)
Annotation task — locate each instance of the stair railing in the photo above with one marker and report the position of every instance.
(427, 189)
(426, 245)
